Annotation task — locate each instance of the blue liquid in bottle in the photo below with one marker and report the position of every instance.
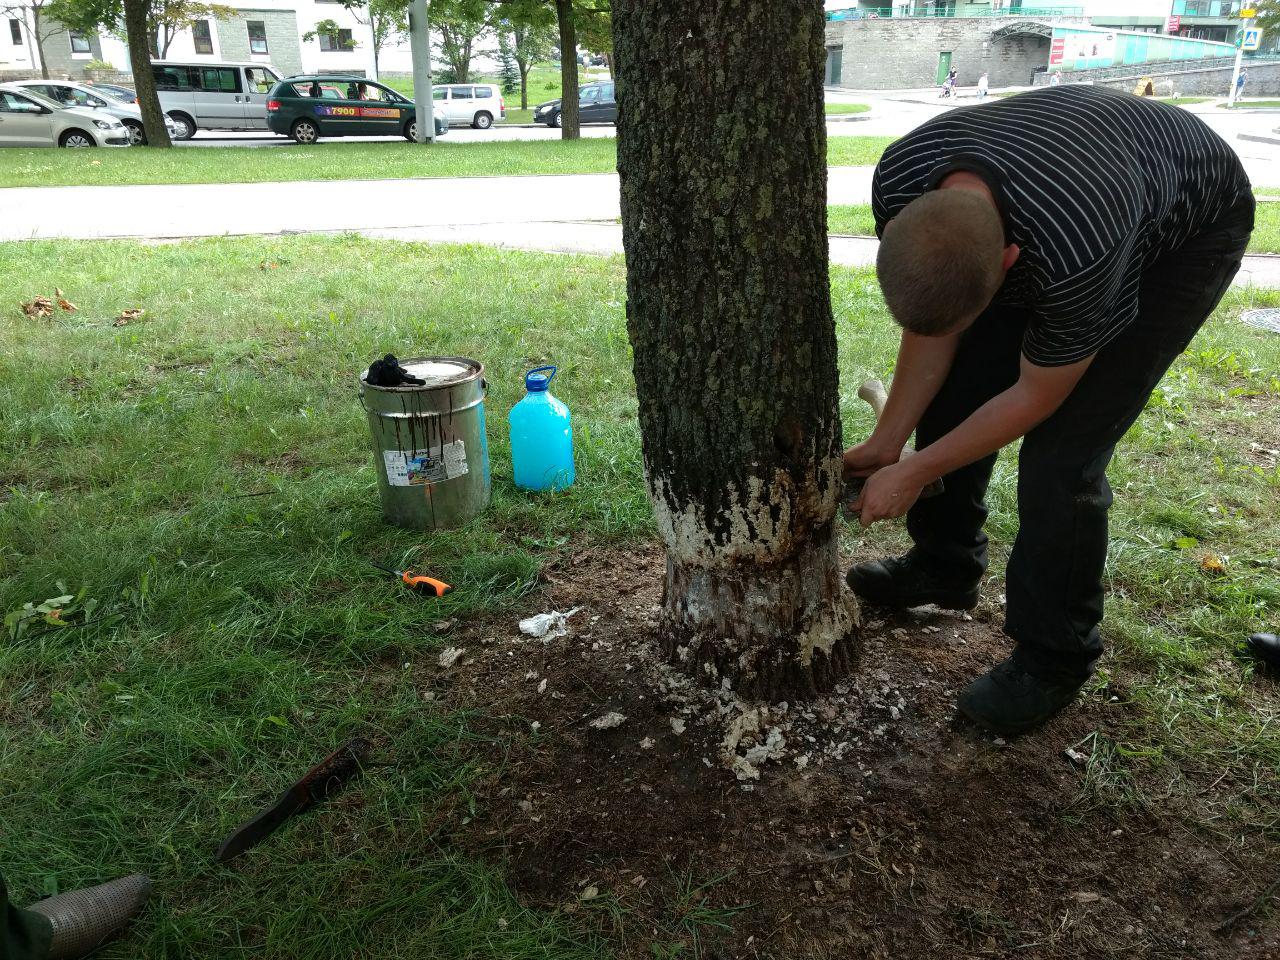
(541, 438)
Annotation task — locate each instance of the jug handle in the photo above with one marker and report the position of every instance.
(554, 369)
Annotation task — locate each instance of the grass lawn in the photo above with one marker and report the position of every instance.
(202, 476)
(837, 108)
(1184, 101)
(1253, 105)
(856, 219)
(343, 160)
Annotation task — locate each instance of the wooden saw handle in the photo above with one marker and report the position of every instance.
(874, 392)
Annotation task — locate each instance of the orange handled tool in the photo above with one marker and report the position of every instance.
(415, 581)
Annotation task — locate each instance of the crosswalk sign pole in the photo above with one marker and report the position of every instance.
(1235, 73)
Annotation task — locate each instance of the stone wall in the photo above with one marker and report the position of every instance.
(1263, 78)
(903, 52)
(284, 49)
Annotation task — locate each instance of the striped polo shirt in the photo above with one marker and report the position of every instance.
(1093, 185)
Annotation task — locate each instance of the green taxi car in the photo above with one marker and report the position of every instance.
(312, 106)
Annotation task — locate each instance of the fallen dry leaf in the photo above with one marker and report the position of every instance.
(133, 313)
(1213, 564)
(63, 302)
(39, 308)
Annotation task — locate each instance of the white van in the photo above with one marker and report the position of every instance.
(480, 105)
(214, 96)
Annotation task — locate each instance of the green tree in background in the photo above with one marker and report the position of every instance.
(508, 72)
(529, 29)
(461, 25)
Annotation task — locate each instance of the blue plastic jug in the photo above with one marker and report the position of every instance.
(541, 439)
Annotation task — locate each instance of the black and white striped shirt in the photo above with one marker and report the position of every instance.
(1094, 185)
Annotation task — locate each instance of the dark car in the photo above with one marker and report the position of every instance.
(312, 106)
(595, 105)
(125, 94)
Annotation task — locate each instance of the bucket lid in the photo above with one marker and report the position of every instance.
(539, 379)
(435, 372)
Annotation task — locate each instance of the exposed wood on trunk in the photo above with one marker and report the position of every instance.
(722, 155)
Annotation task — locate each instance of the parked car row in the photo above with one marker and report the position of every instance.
(28, 119)
(68, 93)
(231, 96)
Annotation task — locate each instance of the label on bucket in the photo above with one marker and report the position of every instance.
(420, 469)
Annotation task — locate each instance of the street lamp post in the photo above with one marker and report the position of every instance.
(420, 51)
(1245, 24)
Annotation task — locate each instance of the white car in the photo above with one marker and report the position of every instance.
(214, 95)
(30, 120)
(479, 105)
(71, 94)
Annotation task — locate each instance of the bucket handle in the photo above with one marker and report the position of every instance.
(553, 368)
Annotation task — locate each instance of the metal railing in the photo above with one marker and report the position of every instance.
(901, 13)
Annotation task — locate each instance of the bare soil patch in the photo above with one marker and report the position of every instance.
(879, 826)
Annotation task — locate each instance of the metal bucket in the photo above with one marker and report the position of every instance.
(429, 443)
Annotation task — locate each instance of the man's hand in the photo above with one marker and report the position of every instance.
(889, 493)
(868, 457)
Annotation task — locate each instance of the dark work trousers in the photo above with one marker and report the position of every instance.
(1054, 577)
(25, 935)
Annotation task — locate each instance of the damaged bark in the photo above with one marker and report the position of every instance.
(722, 157)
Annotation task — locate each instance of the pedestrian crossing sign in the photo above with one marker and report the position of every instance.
(1252, 39)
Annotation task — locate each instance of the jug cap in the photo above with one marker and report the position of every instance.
(538, 380)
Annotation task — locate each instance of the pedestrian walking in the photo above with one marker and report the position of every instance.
(982, 86)
(1056, 79)
(1240, 82)
(1040, 307)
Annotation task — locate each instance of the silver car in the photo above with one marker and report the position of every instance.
(30, 120)
(72, 94)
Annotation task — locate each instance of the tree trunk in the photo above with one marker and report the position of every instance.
(144, 81)
(39, 40)
(524, 86)
(722, 157)
(568, 70)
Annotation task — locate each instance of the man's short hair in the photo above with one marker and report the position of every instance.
(941, 260)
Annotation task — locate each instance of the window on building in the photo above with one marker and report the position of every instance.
(338, 40)
(202, 36)
(257, 36)
(15, 31)
(80, 43)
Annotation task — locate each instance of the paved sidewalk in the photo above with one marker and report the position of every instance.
(216, 209)
(606, 238)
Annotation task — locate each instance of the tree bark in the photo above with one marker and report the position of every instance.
(144, 81)
(524, 85)
(722, 157)
(570, 129)
(39, 40)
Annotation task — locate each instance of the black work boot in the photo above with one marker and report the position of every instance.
(1265, 648)
(1006, 699)
(904, 582)
(83, 919)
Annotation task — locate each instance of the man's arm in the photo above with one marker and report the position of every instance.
(1001, 420)
(923, 364)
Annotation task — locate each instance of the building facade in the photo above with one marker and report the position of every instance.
(271, 32)
(915, 43)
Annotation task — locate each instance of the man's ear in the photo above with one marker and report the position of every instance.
(1011, 254)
